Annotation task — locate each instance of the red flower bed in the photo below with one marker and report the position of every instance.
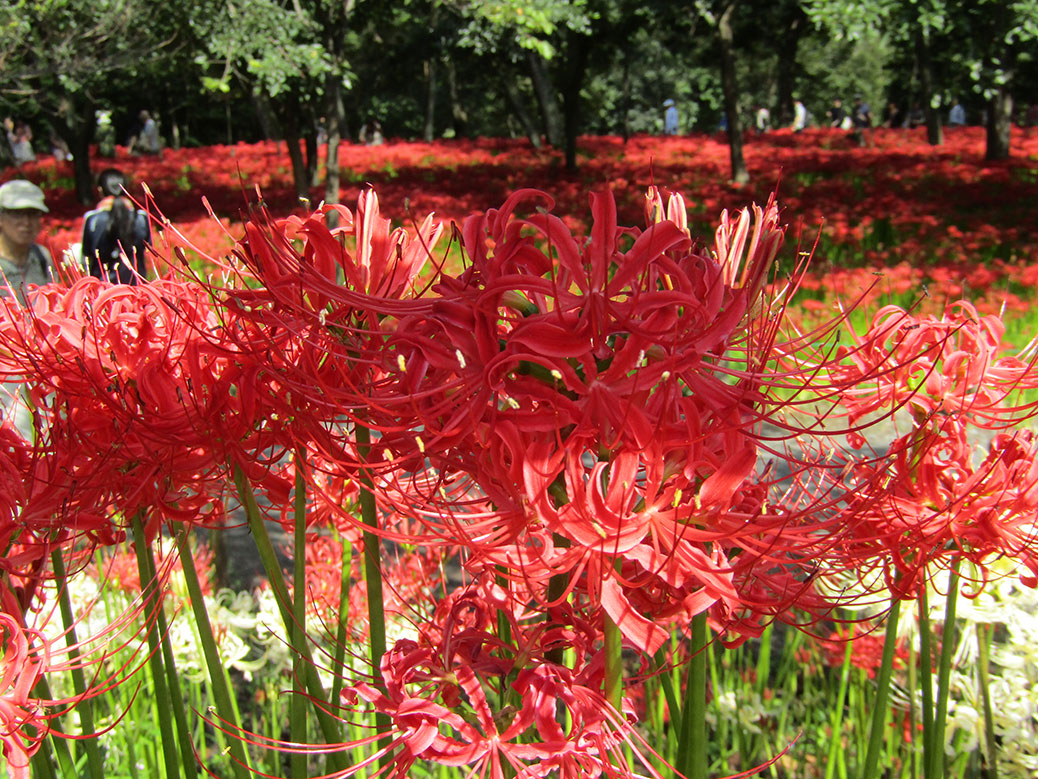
(936, 216)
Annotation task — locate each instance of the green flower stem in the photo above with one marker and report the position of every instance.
(837, 710)
(614, 669)
(41, 764)
(373, 577)
(944, 673)
(983, 668)
(879, 710)
(692, 743)
(926, 677)
(152, 605)
(913, 685)
(722, 738)
(372, 555)
(58, 746)
(226, 705)
(297, 703)
(327, 724)
(85, 707)
(343, 616)
(188, 762)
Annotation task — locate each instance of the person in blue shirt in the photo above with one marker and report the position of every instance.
(115, 233)
(670, 117)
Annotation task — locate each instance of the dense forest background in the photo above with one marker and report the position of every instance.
(310, 71)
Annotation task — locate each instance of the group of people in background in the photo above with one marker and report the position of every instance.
(143, 139)
(858, 118)
(116, 235)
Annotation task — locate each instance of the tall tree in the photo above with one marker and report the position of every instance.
(720, 16)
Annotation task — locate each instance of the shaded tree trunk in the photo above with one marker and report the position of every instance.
(625, 96)
(576, 69)
(74, 121)
(789, 42)
(1000, 118)
(459, 116)
(429, 126)
(310, 143)
(730, 87)
(268, 121)
(547, 100)
(335, 113)
(515, 101)
(1001, 59)
(290, 126)
(934, 133)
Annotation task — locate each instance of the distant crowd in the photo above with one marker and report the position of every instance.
(21, 147)
(857, 117)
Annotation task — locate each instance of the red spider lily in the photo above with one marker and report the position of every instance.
(592, 411)
(130, 389)
(948, 365)
(931, 502)
(460, 696)
(866, 650)
(29, 655)
(23, 718)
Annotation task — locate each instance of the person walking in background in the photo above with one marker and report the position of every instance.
(115, 233)
(861, 118)
(146, 139)
(762, 120)
(799, 116)
(957, 115)
(670, 117)
(838, 116)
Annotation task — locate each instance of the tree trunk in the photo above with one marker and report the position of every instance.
(79, 145)
(429, 127)
(290, 125)
(730, 87)
(576, 68)
(934, 133)
(268, 122)
(625, 96)
(789, 42)
(313, 176)
(459, 116)
(1000, 118)
(335, 112)
(74, 121)
(547, 99)
(515, 100)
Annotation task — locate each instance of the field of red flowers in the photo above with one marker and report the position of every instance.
(935, 218)
(576, 476)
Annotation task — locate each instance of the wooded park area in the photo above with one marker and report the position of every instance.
(310, 71)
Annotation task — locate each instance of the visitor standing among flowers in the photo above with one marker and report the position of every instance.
(115, 233)
(22, 260)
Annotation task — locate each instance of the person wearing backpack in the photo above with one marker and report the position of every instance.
(115, 233)
(23, 262)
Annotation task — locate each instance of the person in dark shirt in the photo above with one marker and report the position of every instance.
(115, 233)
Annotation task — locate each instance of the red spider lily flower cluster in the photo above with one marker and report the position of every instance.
(935, 498)
(583, 419)
(29, 655)
(579, 420)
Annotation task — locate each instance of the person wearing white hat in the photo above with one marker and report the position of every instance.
(22, 260)
(23, 263)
